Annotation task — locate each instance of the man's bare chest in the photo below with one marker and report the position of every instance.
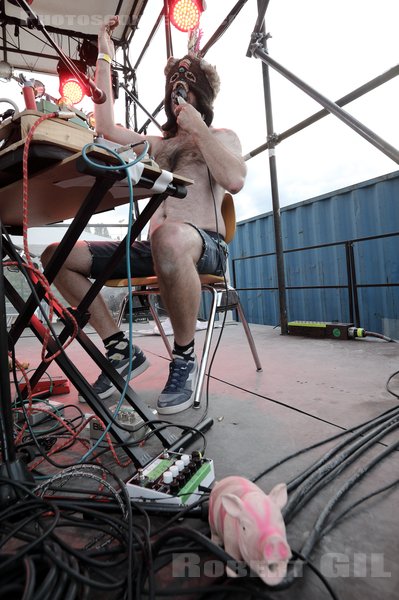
(178, 155)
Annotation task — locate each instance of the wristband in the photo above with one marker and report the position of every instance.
(103, 56)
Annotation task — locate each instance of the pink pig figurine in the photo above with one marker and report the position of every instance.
(249, 524)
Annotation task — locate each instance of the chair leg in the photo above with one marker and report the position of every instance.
(216, 296)
(249, 336)
(155, 316)
(206, 348)
(122, 310)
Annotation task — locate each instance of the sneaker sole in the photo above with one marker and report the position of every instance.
(135, 373)
(172, 410)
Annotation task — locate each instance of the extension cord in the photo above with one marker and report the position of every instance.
(38, 417)
(357, 332)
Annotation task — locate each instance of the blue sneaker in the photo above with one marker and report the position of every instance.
(177, 394)
(103, 386)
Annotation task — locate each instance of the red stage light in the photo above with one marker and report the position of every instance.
(185, 14)
(71, 90)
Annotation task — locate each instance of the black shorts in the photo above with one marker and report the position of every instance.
(213, 258)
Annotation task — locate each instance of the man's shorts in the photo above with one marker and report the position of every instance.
(213, 259)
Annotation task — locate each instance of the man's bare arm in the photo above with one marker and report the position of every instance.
(104, 113)
(221, 149)
(223, 154)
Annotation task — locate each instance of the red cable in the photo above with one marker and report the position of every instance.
(74, 435)
(36, 274)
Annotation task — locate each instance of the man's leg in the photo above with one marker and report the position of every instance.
(73, 283)
(176, 249)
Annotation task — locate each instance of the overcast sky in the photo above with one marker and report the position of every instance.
(334, 47)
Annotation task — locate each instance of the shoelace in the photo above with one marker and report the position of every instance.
(178, 374)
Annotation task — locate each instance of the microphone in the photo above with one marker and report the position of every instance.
(98, 96)
(179, 92)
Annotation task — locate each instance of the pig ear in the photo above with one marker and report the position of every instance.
(232, 505)
(279, 495)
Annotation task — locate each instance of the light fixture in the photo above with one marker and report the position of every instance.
(39, 88)
(7, 73)
(6, 70)
(88, 52)
(72, 91)
(185, 14)
(91, 120)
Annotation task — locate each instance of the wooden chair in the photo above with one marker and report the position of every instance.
(222, 299)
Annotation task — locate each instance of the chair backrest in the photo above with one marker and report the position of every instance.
(229, 217)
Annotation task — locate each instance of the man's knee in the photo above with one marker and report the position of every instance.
(79, 259)
(175, 241)
(167, 235)
(48, 253)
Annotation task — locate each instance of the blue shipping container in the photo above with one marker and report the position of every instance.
(317, 278)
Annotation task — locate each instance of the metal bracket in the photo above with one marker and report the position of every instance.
(257, 41)
(272, 140)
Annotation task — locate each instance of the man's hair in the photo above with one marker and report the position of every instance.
(193, 74)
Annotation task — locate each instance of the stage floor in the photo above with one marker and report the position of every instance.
(309, 390)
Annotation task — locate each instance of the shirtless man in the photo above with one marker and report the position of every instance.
(186, 236)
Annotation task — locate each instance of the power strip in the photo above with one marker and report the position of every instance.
(37, 416)
(172, 478)
(320, 329)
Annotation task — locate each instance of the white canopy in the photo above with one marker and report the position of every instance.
(25, 47)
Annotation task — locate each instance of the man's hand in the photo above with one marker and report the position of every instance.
(188, 118)
(105, 44)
